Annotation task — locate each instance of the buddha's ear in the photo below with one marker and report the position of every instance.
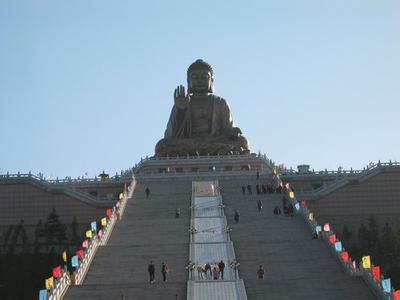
(212, 85)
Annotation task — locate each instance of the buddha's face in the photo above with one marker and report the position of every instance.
(200, 81)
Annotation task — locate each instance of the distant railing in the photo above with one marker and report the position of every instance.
(157, 160)
(359, 175)
(67, 180)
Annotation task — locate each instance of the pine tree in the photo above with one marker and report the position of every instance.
(54, 230)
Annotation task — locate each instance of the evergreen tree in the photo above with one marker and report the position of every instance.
(74, 231)
(346, 234)
(54, 230)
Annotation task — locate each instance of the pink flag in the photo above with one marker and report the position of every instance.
(85, 244)
(100, 233)
(118, 204)
(327, 227)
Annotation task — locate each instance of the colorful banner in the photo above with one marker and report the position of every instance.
(387, 285)
(80, 253)
(318, 229)
(327, 227)
(104, 222)
(43, 295)
(332, 238)
(344, 256)
(49, 283)
(338, 246)
(75, 261)
(85, 244)
(93, 225)
(311, 216)
(366, 262)
(57, 272)
(89, 234)
(64, 256)
(291, 195)
(108, 212)
(376, 272)
(297, 206)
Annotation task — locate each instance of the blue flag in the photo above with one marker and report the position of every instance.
(338, 246)
(297, 206)
(318, 229)
(43, 295)
(387, 287)
(74, 261)
(94, 226)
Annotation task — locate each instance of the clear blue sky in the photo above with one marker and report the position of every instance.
(88, 85)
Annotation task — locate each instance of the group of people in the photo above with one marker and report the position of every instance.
(151, 268)
(261, 189)
(215, 269)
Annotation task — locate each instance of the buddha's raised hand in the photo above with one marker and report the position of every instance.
(181, 99)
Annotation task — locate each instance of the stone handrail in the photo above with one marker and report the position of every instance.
(62, 285)
(373, 284)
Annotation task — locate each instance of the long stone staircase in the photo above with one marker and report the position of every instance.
(148, 231)
(297, 266)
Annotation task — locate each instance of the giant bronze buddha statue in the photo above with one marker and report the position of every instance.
(200, 122)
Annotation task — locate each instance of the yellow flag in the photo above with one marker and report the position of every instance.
(366, 262)
(311, 216)
(121, 196)
(104, 222)
(274, 170)
(49, 283)
(291, 195)
(64, 256)
(89, 234)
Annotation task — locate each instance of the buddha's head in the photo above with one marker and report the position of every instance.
(200, 78)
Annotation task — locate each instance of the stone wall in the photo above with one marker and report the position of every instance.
(355, 202)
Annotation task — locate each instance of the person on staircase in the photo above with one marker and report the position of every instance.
(260, 272)
(147, 191)
(164, 271)
(221, 267)
(151, 269)
(236, 217)
(259, 205)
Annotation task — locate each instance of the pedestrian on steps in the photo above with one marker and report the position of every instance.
(260, 272)
(259, 205)
(243, 190)
(147, 191)
(215, 273)
(151, 269)
(221, 267)
(236, 217)
(164, 271)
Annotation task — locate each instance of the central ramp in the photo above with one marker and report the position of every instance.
(210, 244)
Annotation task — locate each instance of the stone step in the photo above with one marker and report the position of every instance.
(297, 267)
